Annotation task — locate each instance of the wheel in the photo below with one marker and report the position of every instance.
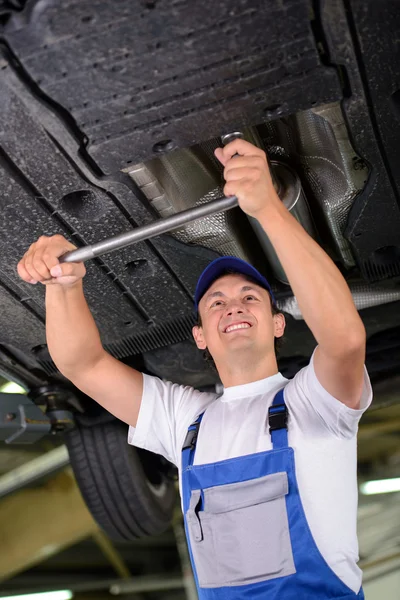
(127, 490)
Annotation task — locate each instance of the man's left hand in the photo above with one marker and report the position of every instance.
(247, 176)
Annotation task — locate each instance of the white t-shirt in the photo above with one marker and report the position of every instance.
(321, 430)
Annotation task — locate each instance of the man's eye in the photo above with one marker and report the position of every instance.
(250, 298)
(216, 303)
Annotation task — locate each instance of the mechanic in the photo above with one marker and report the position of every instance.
(270, 501)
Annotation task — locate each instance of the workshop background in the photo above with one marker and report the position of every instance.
(110, 112)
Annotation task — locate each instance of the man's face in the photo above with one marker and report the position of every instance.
(236, 315)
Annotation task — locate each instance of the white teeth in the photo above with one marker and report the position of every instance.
(239, 326)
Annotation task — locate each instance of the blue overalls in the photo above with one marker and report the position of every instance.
(247, 532)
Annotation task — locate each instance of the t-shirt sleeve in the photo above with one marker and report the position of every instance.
(313, 406)
(166, 411)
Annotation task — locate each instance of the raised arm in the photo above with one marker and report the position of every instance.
(72, 335)
(321, 291)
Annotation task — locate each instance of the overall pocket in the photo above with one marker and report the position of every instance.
(241, 535)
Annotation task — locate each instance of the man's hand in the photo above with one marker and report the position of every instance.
(247, 176)
(41, 264)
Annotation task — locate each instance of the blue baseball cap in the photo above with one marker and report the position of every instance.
(218, 267)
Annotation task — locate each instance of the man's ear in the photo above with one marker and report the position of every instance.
(199, 337)
(279, 325)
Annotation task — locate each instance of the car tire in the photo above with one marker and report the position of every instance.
(128, 491)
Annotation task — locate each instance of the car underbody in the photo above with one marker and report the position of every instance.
(111, 112)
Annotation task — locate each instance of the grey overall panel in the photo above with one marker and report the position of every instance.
(241, 535)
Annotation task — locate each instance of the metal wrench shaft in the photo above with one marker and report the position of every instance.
(151, 230)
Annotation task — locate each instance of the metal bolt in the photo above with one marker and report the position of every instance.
(10, 417)
(229, 137)
(163, 146)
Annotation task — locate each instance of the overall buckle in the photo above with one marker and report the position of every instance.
(191, 436)
(277, 417)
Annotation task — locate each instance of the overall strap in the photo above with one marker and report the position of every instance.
(277, 417)
(189, 445)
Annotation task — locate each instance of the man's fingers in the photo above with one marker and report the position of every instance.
(238, 188)
(29, 266)
(63, 269)
(219, 153)
(237, 162)
(242, 173)
(66, 273)
(40, 265)
(242, 162)
(60, 245)
(68, 270)
(23, 273)
(49, 259)
(238, 146)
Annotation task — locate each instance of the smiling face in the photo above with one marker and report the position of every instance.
(236, 319)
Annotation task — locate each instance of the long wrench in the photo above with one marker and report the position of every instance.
(151, 230)
(157, 227)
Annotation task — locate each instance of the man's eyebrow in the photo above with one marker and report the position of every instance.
(214, 295)
(247, 288)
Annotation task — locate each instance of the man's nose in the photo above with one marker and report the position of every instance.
(234, 309)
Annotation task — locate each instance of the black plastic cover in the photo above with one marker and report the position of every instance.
(88, 87)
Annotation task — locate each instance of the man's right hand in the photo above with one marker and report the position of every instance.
(40, 263)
